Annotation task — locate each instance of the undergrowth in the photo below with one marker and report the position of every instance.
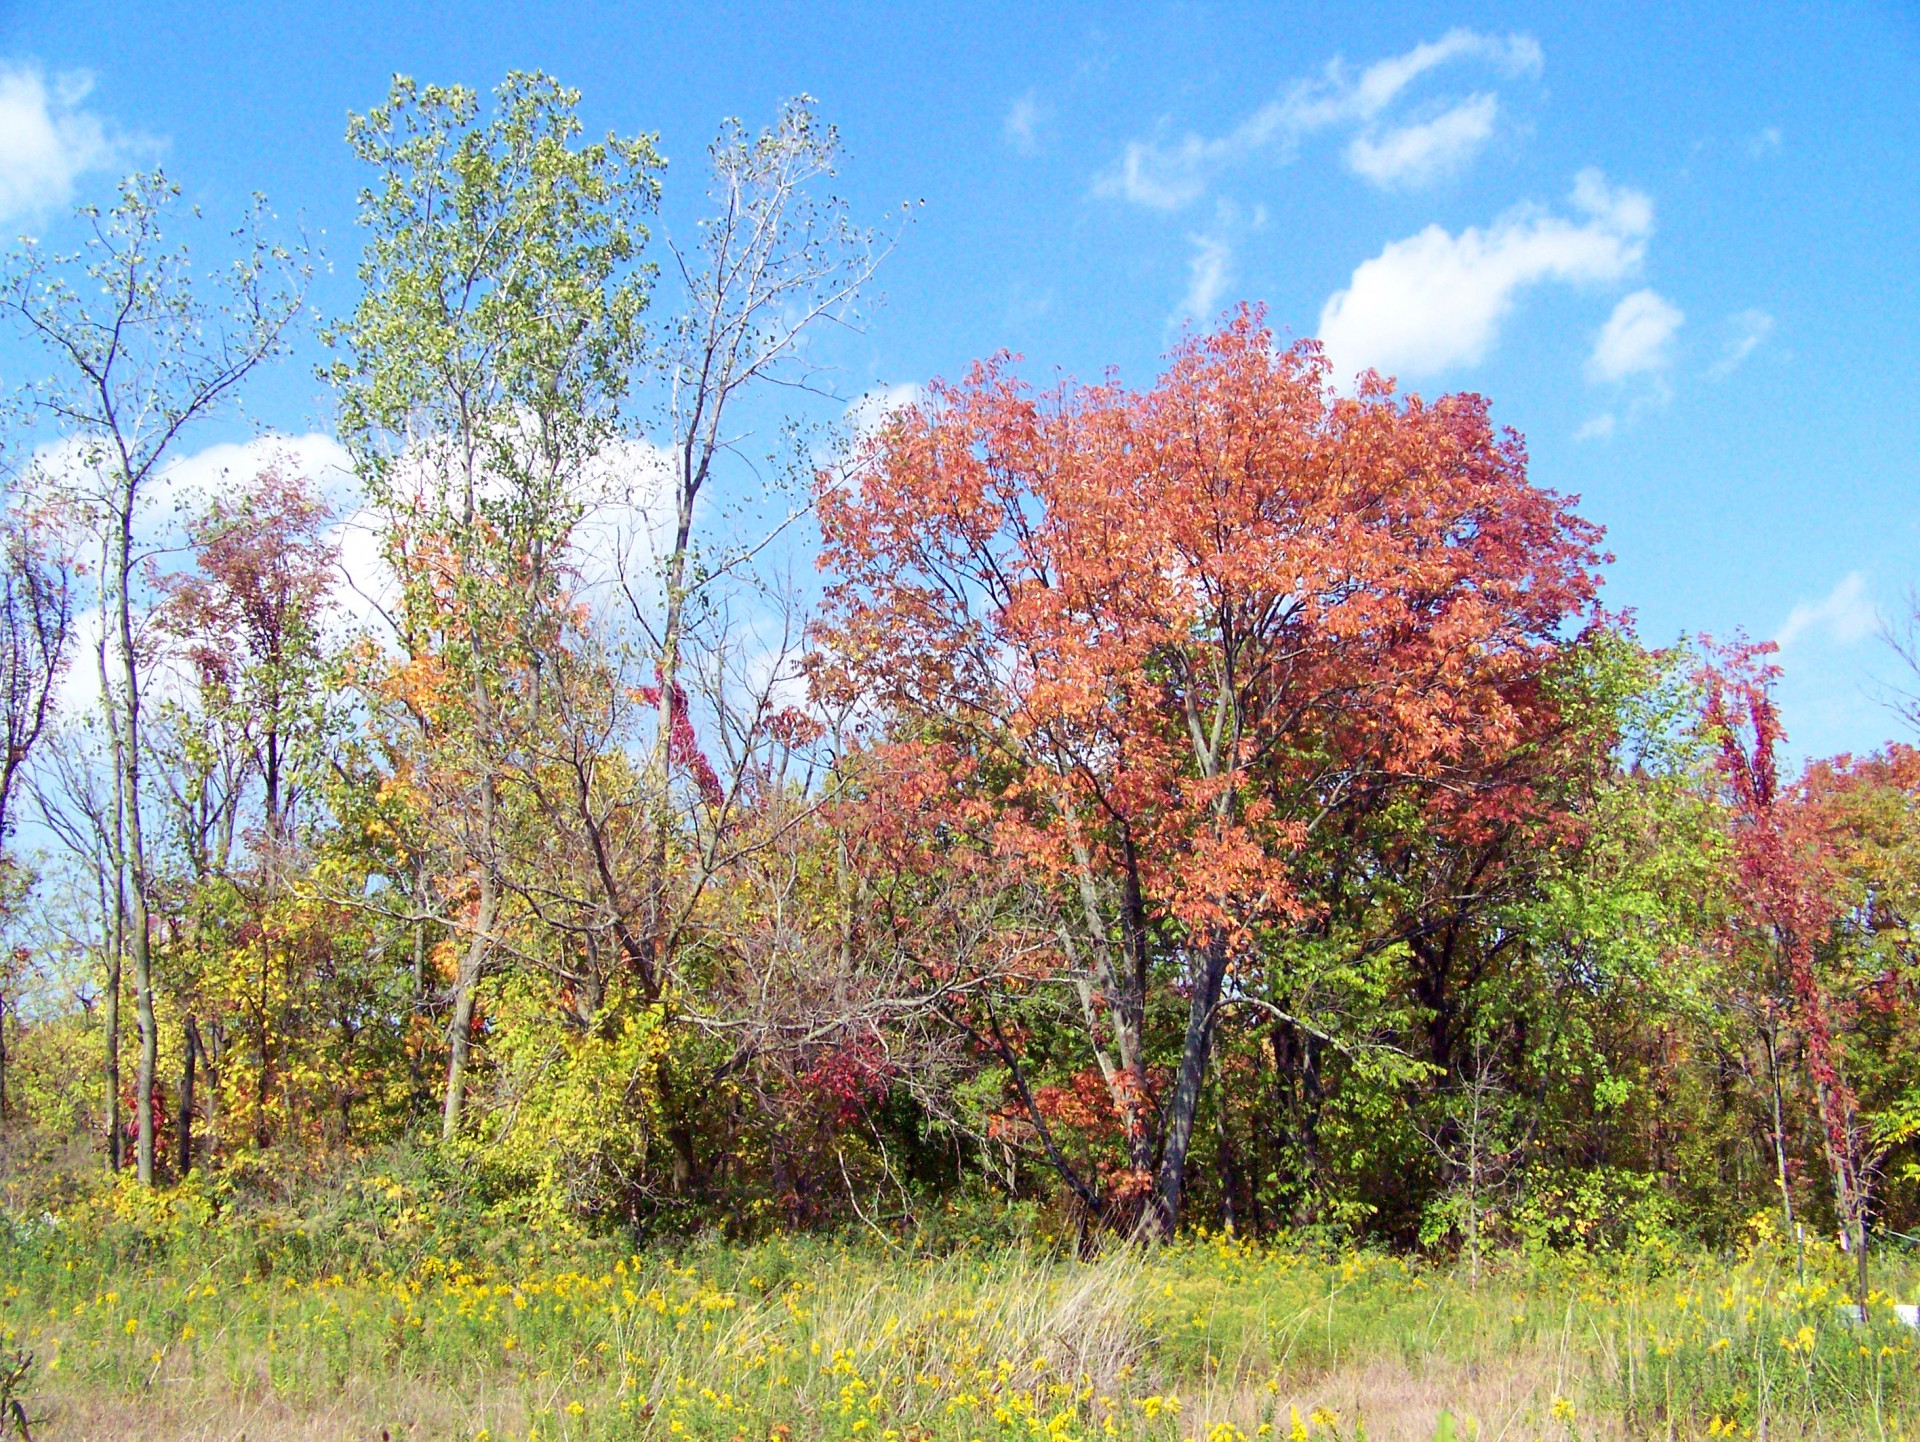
(407, 1298)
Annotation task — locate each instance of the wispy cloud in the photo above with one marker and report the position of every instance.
(48, 139)
(1021, 128)
(1845, 616)
(1750, 329)
(1209, 272)
(1437, 299)
(1598, 428)
(1764, 143)
(1637, 338)
(1168, 174)
(1409, 156)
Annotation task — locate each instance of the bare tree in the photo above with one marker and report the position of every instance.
(139, 356)
(80, 806)
(36, 624)
(1902, 636)
(775, 263)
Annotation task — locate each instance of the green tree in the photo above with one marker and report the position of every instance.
(481, 375)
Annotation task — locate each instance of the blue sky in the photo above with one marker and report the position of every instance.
(1676, 245)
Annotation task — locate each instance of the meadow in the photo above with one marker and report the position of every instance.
(370, 1308)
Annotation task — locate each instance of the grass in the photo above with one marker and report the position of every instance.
(367, 1314)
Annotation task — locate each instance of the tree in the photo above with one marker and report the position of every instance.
(140, 356)
(774, 263)
(236, 745)
(1787, 886)
(36, 618)
(483, 371)
(1157, 641)
(247, 618)
(36, 626)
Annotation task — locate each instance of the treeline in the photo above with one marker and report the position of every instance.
(1227, 801)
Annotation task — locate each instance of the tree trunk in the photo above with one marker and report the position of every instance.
(133, 851)
(189, 1047)
(1860, 1261)
(464, 987)
(417, 1092)
(1779, 1128)
(116, 950)
(213, 1051)
(1229, 1172)
(1194, 1054)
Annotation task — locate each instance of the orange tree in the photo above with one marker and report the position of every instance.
(1154, 643)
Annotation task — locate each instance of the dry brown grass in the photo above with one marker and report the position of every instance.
(1504, 1399)
(199, 1411)
(1509, 1399)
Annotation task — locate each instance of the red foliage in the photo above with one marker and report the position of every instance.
(848, 1078)
(1095, 579)
(1787, 885)
(1141, 644)
(683, 747)
(1084, 1103)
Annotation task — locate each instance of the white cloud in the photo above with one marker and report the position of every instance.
(1419, 154)
(1597, 428)
(1208, 274)
(194, 479)
(1021, 128)
(182, 491)
(1436, 299)
(1164, 179)
(631, 514)
(1637, 337)
(1167, 175)
(1382, 82)
(1750, 330)
(47, 140)
(1845, 615)
(870, 411)
(1765, 143)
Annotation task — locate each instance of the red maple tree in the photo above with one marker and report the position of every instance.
(1148, 642)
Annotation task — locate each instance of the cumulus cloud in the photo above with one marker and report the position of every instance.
(1638, 337)
(1167, 174)
(191, 481)
(1021, 128)
(1419, 154)
(48, 140)
(1750, 329)
(1437, 299)
(1846, 616)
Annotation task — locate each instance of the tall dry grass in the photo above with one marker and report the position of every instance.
(147, 1332)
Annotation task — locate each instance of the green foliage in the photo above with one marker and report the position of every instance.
(503, 288)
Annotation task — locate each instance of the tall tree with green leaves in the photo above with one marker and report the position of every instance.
(481, 376)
